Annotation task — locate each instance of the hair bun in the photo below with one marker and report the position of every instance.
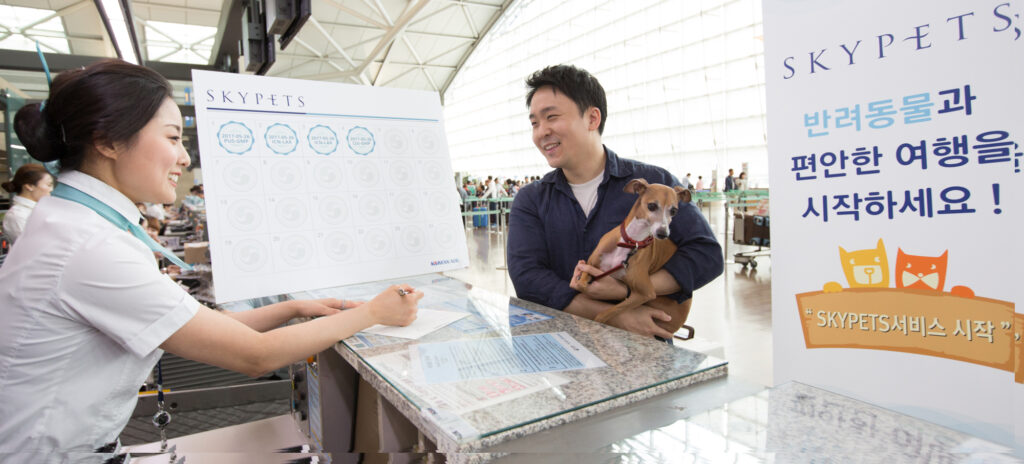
(39, 139)
(9, 187)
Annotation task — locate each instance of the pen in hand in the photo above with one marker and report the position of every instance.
(403, 292)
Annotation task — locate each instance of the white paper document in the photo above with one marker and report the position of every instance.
(464, 396)
(427, 320)
(499, 357)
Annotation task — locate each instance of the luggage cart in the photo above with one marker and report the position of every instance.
(748, 228)
(751, 230)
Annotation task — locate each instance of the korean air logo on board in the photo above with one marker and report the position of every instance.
(442, 262)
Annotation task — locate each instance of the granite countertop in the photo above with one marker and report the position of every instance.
(636, 367)
(797, 423)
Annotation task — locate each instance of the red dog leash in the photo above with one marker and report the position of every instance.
(627, 242)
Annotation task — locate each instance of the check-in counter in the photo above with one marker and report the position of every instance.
(648, 402)
(375, 398)
(493, 399)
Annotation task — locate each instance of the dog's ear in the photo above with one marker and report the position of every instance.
(683, 194)
(636, 187)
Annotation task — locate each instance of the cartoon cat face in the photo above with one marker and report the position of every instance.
(866, 268)
(921, 272)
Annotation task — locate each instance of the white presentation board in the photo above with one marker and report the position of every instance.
(894, 142)
(316, 184)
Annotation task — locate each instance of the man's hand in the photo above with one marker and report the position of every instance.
(641, 321)
(606, 289)
(322, 307)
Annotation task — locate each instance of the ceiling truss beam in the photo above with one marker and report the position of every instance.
(483, 33)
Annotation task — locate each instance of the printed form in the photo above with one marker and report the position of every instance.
(465, 396)
(499, 357)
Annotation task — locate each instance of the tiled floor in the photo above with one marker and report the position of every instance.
(733, 311)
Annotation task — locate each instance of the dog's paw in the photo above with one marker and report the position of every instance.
(604, 316)
(963, 291)
(583, 280)
(832, 287)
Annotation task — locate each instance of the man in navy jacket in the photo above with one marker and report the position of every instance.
(557, 222)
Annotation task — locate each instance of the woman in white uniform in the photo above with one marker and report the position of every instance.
(31, 183)
(86, 313)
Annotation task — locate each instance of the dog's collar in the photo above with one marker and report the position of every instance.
(628, 242)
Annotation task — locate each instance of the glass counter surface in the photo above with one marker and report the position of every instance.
(797, 423)
(471, 414)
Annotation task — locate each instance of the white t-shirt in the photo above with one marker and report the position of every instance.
(84, 311)
(586, 193)
(17, 216)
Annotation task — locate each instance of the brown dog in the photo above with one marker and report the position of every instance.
(639, 247)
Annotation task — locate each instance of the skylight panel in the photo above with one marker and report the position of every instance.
(179, 43)
(50, 33)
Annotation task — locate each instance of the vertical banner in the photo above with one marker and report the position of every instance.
(895, 145)
(319, 184)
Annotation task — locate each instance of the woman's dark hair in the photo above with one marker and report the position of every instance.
(108, 101)
(28, 174)
(579, 85)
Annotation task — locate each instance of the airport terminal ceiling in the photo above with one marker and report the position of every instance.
(686, 79)
(415, 44)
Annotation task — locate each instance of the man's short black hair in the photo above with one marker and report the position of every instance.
(579, 85)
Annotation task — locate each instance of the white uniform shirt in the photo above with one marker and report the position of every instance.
(83, 312)
(17, 216)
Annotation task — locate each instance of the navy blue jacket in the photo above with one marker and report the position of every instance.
(549, 234)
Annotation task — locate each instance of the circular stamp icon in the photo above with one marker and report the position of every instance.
(281, 138)
(445, 236)
(372, 208)
(291, 212)
(241, 176)
(433, 173)
(377, 242)
(322, 139)
(360, 140)
(339, 246)
(249, 255)
(367, 173)
(428, 142)
(406, 204)
(235, 137)
(439, 203)
(245, 215)
(396, 141)
(401, 174)
(327, 174)
(413, 239)
(296, 250)
(333, 210)
(286, 175)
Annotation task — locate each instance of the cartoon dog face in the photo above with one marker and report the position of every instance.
(866, 268)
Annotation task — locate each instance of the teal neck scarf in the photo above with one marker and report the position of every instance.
(70, 193)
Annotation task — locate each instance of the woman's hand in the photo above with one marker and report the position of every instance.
(390, 307)
(322, 307)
